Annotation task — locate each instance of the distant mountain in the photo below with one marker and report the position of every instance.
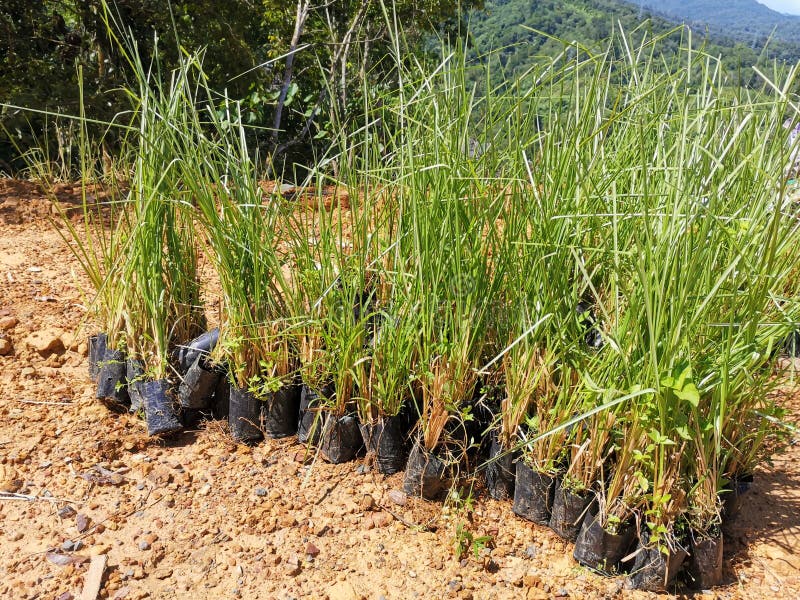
(504, 27)
(743, 19)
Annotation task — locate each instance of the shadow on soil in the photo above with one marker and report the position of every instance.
(770, 512)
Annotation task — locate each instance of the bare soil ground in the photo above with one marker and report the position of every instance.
(198, 516)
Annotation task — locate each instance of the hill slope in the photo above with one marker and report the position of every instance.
(744, 19)
(504, 26)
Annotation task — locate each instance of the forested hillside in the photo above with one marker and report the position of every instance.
(506, 26)
(747, 20)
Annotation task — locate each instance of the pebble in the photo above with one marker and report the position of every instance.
(66, 512)
(312, 550)
(292, 567)
(398, 497)
(9, 479)
(7, 323)
(287, 521)
(162, 573)
(143, 545)
(367, 503)
(81, 523)
(46, 340)
(72, 546)
(5, 346)
(261, 492)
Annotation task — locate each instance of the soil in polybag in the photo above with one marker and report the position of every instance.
(601, 550)
(500, 471)
(198, 385)
(97, 352)
(160, 408)
(244, 416)
(280, 412)
(340, 439)
(653, 570)
(387, 440)
(533, 494)
(569, 510)
(427, 475)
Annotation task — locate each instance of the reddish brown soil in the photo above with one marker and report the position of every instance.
(199, 517)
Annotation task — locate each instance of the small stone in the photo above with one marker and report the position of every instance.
(81, 523)
(65, 596)
(66, 512)
(143, 545)
(398, 497)
(261, 492)
(287, 521)
(312, 550)
(46, 341)
(100, 549)
(362, 469)
(205, 490)
(5, 346)
(7, 323)
(532, 551)
(292, 566)
(9, 479)
(14, 536)
(303, 457)
(162, 573)
(367, 503)
(381, 519)
(530, 581)
(562, 593)
(412, 574)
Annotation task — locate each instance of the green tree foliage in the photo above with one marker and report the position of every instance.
(44, 46)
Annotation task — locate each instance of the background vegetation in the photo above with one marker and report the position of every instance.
(299, 69)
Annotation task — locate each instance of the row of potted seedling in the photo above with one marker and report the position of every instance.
(204, 391)
(608, 277)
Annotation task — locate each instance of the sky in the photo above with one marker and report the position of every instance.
(791, 7)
